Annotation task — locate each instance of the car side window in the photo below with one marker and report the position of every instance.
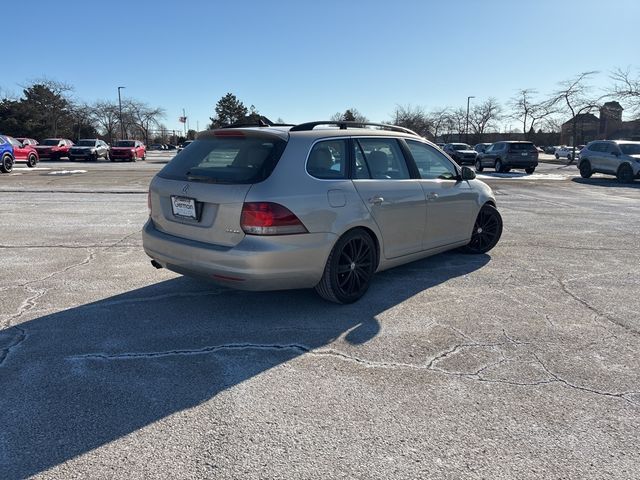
(612, 148)
(431, 163)
(328, 159)
(383, 158)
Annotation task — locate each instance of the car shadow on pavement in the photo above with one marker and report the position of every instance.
(606, 182)
(81, 378)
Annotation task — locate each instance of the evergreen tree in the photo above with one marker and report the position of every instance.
(229, 110)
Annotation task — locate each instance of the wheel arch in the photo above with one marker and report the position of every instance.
(372, 235)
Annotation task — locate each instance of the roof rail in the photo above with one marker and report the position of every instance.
(343, 125)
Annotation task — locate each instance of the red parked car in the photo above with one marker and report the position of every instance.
(129, 150)
(27, 141)
(54, 148)
(23, 153)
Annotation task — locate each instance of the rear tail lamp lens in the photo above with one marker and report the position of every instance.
(149, 201)
(266, 218)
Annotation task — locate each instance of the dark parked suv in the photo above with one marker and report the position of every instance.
(503, 156)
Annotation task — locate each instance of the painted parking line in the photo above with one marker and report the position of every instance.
(66, 172)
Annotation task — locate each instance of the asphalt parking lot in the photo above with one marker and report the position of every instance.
(522, 363)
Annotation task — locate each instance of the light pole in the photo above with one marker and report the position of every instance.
(120, 107)
(466, 127)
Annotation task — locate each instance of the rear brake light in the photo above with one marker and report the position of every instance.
(266, 218)
(149, 201)
(228, 133)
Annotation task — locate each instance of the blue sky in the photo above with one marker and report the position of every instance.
(305, 60)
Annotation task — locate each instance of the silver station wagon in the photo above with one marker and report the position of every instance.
(319, 205)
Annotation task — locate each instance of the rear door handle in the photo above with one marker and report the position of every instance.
(432, 196)
(376, 200)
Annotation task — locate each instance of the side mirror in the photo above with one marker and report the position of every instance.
(468, 174)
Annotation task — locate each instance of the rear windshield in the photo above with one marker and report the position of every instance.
(630, 148)
(460, 146)
(86, 143)
(233, 159)
(50, 142)
(522, 147)
(126, 143)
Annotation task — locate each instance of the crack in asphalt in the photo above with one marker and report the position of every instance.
(429, 366)
(559, 379)
(586, 304)
(31, 301)
(69, 247)
(21, 337)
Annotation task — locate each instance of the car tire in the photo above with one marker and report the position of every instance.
(478, 166)
(6, 165)
(107, 157)
(32, 160)
(498, 167)
(585, 169)
(349, 268)
(624, 173)
(487, 231)
(530, 170)
(557, 157)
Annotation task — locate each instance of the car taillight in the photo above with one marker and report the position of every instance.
(266, 218)
(149, 201)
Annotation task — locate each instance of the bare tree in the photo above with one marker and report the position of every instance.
(350, 115)
(527, 110)
(457, 121)
(438, 118)
(485, 116)
(574, 97)
(106, 116)
(413, 118)
(143, 117)
(627, 88)
(83, 120)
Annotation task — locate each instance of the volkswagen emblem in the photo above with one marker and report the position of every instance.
(185, 189)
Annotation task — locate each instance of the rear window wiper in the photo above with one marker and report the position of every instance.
(204, 178)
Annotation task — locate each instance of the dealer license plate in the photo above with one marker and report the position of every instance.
(184, 207)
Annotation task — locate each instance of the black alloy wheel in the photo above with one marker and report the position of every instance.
(625, 173)
(486, 231)
(6, 165)
(349, 269)
(585, 169)
(478, 166)
(498, 166)
(32, 160)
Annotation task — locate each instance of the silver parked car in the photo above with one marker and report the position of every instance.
(308, 206)
(89, 149)
(615, 157)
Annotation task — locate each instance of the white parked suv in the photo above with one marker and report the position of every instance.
(614, 157)
(565, 152)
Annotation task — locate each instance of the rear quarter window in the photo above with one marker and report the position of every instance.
(235, 159)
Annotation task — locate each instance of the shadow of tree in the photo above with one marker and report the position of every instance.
(81, 378)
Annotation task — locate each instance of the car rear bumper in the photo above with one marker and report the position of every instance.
(256, 263)
(517, 163)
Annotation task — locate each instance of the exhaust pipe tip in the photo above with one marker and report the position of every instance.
(156, 264)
